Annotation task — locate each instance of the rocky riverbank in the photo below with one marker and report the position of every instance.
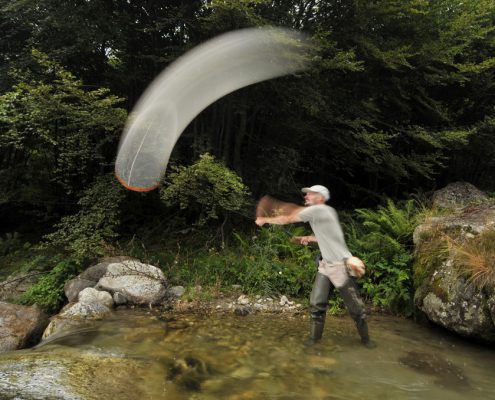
(239, 305)
(117, 283)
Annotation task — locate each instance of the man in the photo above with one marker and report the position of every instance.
(337, 267)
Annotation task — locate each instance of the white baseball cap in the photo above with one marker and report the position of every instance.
(318, 189)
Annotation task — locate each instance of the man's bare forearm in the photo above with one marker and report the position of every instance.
(278, 220)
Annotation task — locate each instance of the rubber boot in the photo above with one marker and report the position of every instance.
(362, 327)
(316, 329)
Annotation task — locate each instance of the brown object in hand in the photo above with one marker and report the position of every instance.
(269, 206)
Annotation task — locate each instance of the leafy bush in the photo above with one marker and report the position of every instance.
(89, 232)
(60, 132)
(207, 189)
(48, 292)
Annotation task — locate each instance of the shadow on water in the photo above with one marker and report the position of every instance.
(445, 372)
(224, 356)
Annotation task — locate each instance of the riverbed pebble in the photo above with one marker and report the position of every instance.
(243, 299)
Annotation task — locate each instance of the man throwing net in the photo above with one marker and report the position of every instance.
(337, 267)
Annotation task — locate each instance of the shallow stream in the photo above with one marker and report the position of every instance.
(137, 354)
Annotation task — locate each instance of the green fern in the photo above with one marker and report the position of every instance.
(383, 238)
(392, 221)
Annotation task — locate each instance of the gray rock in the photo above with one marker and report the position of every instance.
(139, 283)
(20, 326)
(75, 315)
(464, 222)
(242, 310)
(175, 291)
(454, 304)
(444, 296)
(95, 272)
(86, 311)
(90, 295)
(74, 286)
(243, 299)
(119, 299)
(284, 300)
(457, 194)
(90, 277)
(491, 306)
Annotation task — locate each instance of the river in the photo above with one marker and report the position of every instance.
(139, 354)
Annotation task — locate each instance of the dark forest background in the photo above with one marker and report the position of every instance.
(399, 100)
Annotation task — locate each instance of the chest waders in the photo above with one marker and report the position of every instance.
(349, 292)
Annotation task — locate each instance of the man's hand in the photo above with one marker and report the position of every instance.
(304, 240)
(260, 221)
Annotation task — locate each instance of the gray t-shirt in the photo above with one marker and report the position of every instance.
(326, 227)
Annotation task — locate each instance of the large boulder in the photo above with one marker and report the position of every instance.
(448, 300)
(458, 194)
(90, 277)
(139, 283)
(20, 326)
(444, 268)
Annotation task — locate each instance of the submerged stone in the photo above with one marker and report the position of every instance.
(188, 372)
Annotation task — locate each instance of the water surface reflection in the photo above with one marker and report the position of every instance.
(223, 356)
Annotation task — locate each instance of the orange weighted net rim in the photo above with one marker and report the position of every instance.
(135, 188)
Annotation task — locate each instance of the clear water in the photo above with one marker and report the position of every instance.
(223, 356)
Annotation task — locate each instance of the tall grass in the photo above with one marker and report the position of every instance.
(474, 258)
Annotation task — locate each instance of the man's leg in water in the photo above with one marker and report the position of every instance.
(357, 310)
(319, 304)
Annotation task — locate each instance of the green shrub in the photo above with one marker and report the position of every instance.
(206, 189)
(383, 239)
(48, 292)
(90, 232)
(388, 284)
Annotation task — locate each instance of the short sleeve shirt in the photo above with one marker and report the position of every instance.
(325, 224)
